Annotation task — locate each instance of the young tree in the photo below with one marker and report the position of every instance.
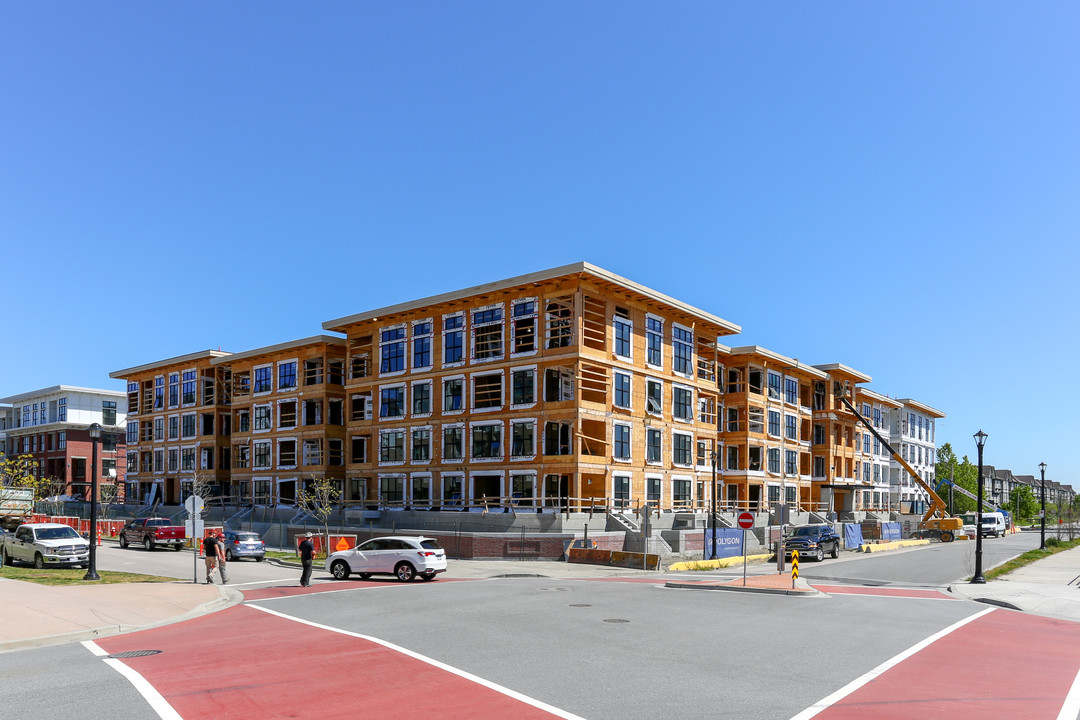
(21, 471)
(318, 497)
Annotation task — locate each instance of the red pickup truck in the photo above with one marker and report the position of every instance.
(151, 533)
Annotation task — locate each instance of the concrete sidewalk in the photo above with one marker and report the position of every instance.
(36, 615)
(1048, 587)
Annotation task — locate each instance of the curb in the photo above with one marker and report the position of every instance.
(895, 545)
(718, 563)
(811, 592)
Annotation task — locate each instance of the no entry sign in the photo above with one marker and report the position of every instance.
(746, 520)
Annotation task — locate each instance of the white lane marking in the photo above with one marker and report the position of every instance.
(430, 661)
(161, 706)
(1071, 709)
(858, 682)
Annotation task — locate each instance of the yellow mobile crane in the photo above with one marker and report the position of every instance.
(936, 523)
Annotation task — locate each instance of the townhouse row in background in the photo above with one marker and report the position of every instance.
(567, 388)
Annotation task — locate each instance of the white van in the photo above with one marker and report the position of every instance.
(993, 523)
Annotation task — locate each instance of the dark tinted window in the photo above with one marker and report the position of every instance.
(430, 544)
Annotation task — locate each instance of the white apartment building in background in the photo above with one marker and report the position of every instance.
(51, 425)
(875, 463)
(912, 435)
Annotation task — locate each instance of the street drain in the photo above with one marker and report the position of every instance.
(616, 620)
(580, 605)
(134, 653)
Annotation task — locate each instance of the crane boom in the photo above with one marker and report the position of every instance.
(943, 522)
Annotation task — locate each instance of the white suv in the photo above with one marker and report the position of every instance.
(45, 544)
(403, 556)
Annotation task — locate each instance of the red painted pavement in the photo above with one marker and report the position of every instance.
(243, 663)
(291, 590)
(884, 592)
(1002, 665)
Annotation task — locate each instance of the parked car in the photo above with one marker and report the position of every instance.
(152, 533)
(244, 545)
(402, 556)
(45, 544)
(813, 541)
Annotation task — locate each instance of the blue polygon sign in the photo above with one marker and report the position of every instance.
(728, 543)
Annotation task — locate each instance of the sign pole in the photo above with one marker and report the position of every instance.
(744, 557)
(794, 567)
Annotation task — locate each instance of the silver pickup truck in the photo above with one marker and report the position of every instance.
(45, 545)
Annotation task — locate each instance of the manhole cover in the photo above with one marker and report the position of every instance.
(134, 653)
(554, 589)
(616, 620)
(580, 605)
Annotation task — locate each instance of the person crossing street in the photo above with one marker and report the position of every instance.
(307, 556)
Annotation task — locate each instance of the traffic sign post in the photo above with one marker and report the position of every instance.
(746, 521)
(193, 528)
(794, 567)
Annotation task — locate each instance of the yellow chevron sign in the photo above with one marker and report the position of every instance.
(794, 566)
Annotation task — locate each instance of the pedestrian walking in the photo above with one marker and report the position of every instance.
(222, 557)
(307, 555)
(210, 553)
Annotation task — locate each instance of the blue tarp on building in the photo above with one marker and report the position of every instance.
(852, 535)
(729, 542)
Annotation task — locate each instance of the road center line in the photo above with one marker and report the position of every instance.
(858, 682)
(430, 661)
(159, 704)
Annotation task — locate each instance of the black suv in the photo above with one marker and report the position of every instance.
(813, 541)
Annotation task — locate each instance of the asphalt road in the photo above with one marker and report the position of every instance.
(596, 649)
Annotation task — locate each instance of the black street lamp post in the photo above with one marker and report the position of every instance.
(1042, 496)
(710, 553)
(977, 578)
(91, 566)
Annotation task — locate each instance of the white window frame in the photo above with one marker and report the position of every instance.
(464, 439)
(473, 360)
(692, 405)
(431, 398)
(536, 326)
(689, 465)
(510, 449)
(501, 457)
(277, 375)
(255, 368)
(431, 445)
(464, 329)
(404, 341)
(472, 391)
(411, 347)
(617, 320)
(404, 447)
(614, 389)
(663, 323)
(404, 403)
(510, 388)
(296, 450)
(464, 395)
(629, 442)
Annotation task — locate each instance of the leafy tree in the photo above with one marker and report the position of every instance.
(962, 472)
(318, 497)
(1024, 504)
(22, 472)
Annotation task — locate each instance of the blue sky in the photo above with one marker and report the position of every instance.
(894, 187)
